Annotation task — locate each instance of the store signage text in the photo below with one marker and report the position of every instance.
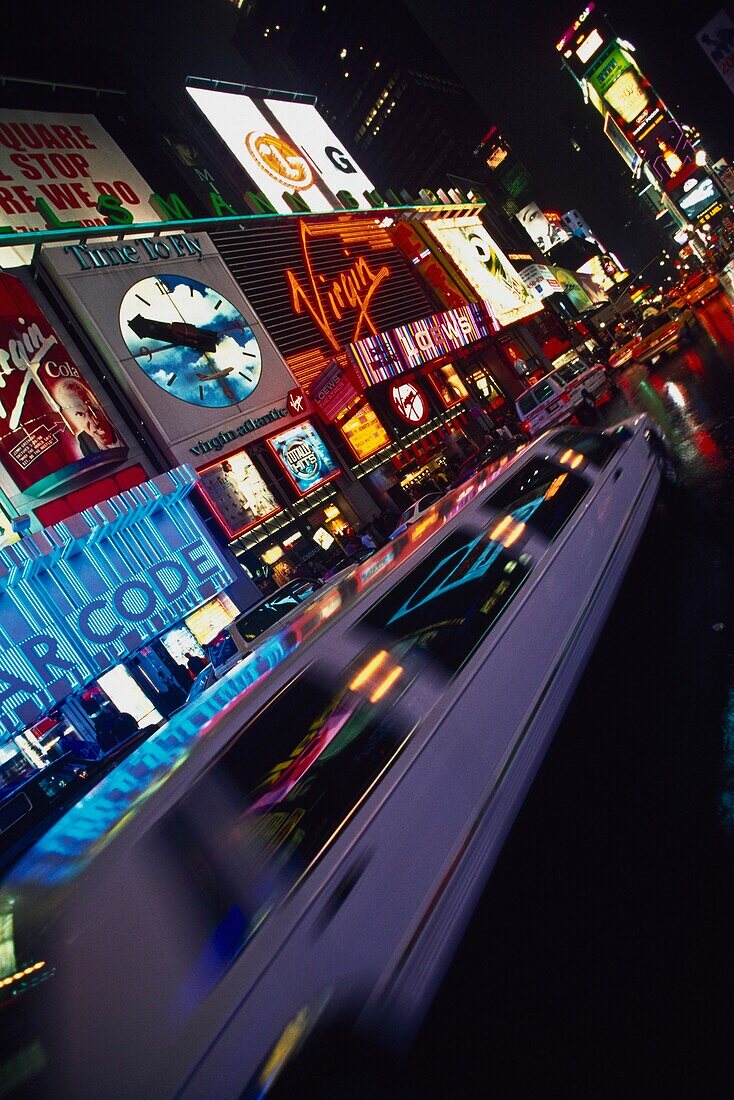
(390, 353)
(132, 252)
(218, 442)
(327, 302)
(82, 608)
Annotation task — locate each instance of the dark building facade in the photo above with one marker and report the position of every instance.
(392, 96)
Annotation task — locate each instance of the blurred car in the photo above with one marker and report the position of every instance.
(476, 462)
(354, 559)
(306, 845)
(699, 286)
(266, 616)
(654, 337)
(413, 514)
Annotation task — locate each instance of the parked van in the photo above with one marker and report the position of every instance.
(559, 395)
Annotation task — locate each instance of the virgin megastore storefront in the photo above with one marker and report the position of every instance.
(193, 361)
(85, 603)
(322, 285)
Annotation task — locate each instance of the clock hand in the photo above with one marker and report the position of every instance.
(177, 333)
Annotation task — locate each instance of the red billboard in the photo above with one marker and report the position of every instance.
(53, 429)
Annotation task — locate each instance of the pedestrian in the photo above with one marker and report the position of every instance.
(195, 664)
(586, 411)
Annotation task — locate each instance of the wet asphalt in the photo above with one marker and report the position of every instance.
(599, 961)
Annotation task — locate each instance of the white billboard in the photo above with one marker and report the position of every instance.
(179, 337)
(716, 39)
(66, 162)
(284, 147)
(486, 267)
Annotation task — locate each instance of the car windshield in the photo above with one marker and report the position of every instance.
(270, 611)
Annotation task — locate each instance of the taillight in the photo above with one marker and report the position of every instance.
(565, 398)
(526, 426)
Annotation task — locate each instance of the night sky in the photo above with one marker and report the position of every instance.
(504, 52)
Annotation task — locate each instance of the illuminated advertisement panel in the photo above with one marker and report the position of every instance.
(486, 267)
(626, 150)
(319, 284)
(304, 456)
(627, 95)
(545, 234)
(447, 384)
(179, 337)
(53, 428)
(72, 606)
(237, 493)
(411, 239)
(67, 163)
(697, 195)
(379, 358)
(364, 433)
(284, 147)
(540, 279)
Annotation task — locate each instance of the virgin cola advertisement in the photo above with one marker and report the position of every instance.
(53, 429)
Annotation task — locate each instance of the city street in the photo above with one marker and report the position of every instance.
(599, 960)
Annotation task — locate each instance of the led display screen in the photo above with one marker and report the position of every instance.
(697, 195)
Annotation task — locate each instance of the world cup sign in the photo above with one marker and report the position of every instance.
(53, 429)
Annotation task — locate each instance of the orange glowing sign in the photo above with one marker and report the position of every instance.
(327, 298)
(364, 433)
(279, 160)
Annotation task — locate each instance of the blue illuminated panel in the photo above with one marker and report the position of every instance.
(80, 596)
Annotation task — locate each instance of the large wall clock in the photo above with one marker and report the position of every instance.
(190, 340)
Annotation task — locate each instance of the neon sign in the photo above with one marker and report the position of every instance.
(352, 289)
(80, 596)
(389, 354)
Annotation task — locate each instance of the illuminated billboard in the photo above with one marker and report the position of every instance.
(544, 232)
(697, 195)
(364, 433)
(485, 266)
(237, 493)
(320, 284)
(304, 456)
(54, 430)
(285, 147)
(618, 88)
(68, 163)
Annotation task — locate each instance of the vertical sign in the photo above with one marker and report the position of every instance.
(717, 41)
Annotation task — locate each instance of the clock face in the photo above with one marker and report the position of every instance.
(190, 340)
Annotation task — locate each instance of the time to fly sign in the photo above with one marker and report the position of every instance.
(66, 168)
(179, 336)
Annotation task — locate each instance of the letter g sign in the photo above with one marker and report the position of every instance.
(339, 159)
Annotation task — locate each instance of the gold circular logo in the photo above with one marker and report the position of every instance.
(279, 160)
